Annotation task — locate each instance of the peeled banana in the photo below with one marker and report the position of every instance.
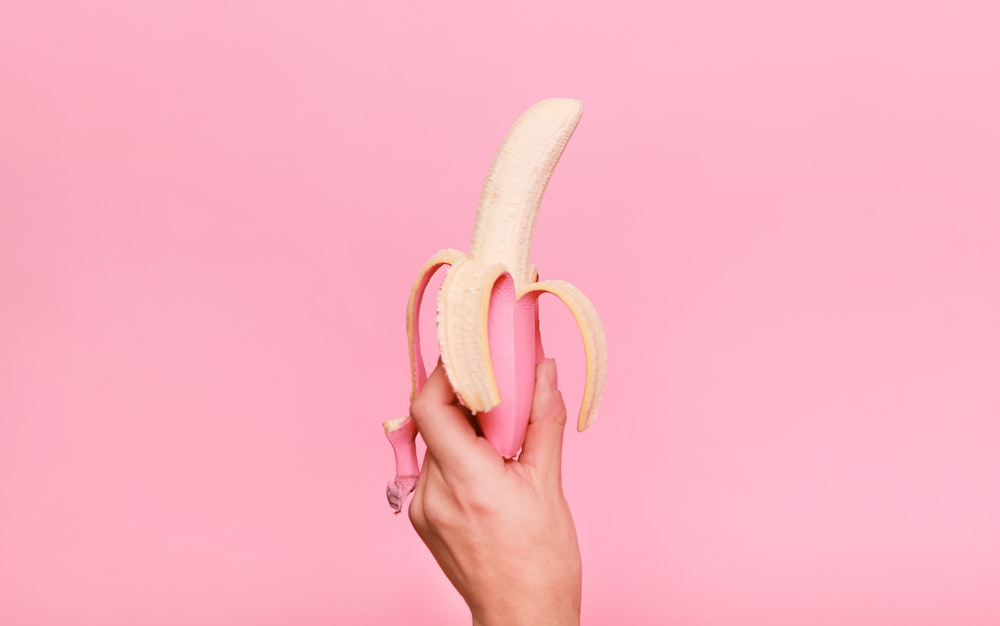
(487, 307)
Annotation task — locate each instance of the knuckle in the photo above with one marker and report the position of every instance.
(434, 515)
(430, 512)
(416, 514)
(418, 408)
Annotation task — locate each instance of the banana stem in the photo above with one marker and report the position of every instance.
(403, 438)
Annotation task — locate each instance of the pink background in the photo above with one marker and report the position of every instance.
(788, 214)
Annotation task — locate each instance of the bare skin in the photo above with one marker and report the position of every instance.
(500, 529)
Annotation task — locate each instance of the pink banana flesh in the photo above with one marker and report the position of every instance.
(515, 350)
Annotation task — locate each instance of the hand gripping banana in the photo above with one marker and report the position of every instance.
(487, 308)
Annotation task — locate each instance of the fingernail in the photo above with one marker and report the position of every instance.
(547, 374)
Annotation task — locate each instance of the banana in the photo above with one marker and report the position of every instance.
(487, 307)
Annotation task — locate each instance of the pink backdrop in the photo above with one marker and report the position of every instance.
(788, 214)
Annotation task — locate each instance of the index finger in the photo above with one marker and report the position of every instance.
(445, 428)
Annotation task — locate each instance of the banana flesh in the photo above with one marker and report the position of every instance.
(487, 307)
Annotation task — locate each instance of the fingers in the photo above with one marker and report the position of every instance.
(445, 427)
(543, 443)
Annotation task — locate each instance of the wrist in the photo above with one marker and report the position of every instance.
(562, 610)
(566, 618)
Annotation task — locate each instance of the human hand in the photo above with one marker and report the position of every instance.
(500, 529)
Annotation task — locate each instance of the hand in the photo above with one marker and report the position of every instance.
(500, 529)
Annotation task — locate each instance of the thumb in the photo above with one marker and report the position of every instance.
(543, 442)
